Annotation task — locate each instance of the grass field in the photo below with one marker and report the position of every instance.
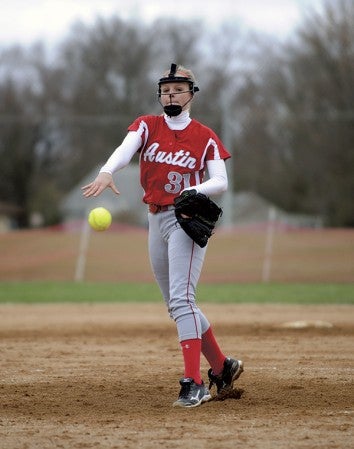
(54, 292)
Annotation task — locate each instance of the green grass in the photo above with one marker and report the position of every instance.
(57, 292)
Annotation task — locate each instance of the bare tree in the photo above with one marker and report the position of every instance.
(24, 104)
(105, 78)
(297, 136)
(318, 99)
(286, 110)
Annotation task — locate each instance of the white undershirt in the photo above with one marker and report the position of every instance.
(122, 155)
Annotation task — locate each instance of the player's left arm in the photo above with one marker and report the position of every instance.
(217, 182)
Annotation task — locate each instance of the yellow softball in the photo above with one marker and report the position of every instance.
(100, 219)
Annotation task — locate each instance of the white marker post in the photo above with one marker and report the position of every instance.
(267, 262)
(81, 260)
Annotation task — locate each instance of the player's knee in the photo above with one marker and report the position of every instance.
(178, 310)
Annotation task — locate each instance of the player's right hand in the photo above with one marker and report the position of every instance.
(102, 182)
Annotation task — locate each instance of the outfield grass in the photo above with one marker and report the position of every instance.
(57, 292)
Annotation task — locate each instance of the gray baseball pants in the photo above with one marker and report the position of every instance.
(177, 263)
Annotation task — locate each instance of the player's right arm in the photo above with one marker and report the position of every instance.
(118, 160)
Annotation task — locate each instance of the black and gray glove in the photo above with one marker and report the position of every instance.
(197, 214)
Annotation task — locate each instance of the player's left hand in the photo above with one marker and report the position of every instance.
(102, 182)
(197, 215)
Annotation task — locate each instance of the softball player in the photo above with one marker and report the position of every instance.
(175, 151)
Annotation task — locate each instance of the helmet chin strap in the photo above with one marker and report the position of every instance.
(172, 110)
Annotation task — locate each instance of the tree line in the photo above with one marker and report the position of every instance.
(284, 108)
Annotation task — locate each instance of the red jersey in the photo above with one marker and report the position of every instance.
(172, 160)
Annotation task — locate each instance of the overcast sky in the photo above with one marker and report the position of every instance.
(25, 21)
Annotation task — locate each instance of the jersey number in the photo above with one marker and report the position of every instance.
(177, 182)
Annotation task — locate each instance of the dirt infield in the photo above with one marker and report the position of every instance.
(104, 376)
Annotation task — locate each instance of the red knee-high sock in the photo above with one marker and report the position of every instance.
(191, 356)
(212, 352)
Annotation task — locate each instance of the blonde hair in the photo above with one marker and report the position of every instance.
(182, 71)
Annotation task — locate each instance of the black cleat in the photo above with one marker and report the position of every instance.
(225, 380)
(191, 394)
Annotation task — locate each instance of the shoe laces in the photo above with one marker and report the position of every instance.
(185, 389)
(213, 379)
